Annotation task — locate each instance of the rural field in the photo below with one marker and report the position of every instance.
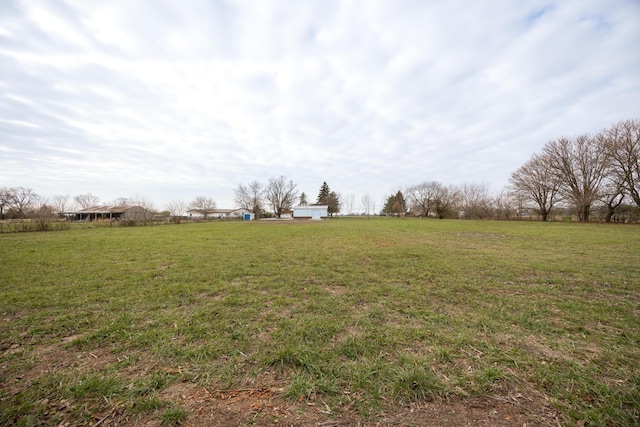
(379, 321)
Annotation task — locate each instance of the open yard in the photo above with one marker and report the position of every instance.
(336, 322)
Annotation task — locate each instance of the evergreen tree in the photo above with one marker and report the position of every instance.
(333, 203)
(323, 195)
(303, 199)
(396, 204)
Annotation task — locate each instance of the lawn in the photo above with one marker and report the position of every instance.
(335, 322)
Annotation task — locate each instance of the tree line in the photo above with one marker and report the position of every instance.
(277, 196)
(582, 172)
(570, 177)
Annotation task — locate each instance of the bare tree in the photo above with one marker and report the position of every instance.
(367, 204)
(249, 197)
(203, 205)
(423, 197)
(444, 199)
(177, 209)
(39, 203)
(124, 201)
(22, 199)
(86, 200)
(504, 205)
(60, 203)
(623, 146)
(281, 194)
(536, 182)
(475, 201)
(581, 164)
(349, 203)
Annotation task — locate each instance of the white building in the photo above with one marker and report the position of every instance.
(218, 213)
(311, 212)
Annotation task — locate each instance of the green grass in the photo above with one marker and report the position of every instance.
(384, 309)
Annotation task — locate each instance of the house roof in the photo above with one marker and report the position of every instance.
(105, 209)
(215, 211)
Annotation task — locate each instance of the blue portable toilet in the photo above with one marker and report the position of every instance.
(247, 217)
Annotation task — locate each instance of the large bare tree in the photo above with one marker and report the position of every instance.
(536, 182)
(22, 200)
(581, 164)
(250, 197)
(281, 194)
(623, 144)
(423, 197)
(203, 205)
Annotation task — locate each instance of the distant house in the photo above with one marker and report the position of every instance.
(218, 213)
(107, 212)
(311, 212)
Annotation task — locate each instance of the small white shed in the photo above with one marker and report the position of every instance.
(310, 212)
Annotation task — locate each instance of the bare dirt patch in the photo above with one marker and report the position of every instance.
(268, 406)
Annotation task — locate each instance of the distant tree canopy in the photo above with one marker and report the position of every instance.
(432, 198)
(396, 204)
(303, 199)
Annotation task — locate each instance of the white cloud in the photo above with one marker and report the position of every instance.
(174, 100)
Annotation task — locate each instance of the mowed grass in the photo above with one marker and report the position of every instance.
(377, 312)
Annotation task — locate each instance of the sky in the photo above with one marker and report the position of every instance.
(170, 100)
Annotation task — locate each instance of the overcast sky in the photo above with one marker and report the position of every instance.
(175, 99)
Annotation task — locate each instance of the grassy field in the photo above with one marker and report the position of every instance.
(341, 321)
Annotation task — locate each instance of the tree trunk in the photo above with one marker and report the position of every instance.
(609, 214)
(583, 212)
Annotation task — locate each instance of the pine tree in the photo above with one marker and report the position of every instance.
(396, 204)
(323, 195)
(303, 199)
